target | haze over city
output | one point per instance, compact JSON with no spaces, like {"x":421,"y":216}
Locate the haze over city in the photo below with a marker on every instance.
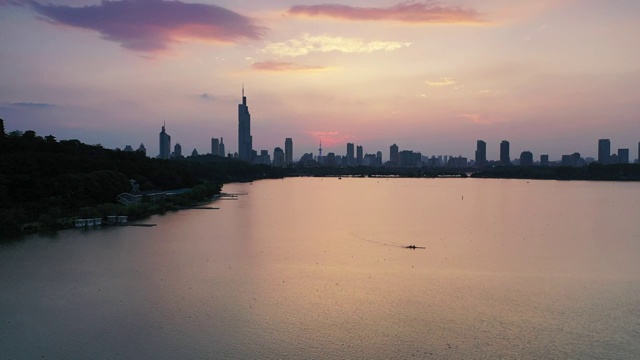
{"x":552,"y":77}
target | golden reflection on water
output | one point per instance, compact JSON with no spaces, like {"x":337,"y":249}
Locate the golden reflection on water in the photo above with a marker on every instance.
{"x":316,"y":268}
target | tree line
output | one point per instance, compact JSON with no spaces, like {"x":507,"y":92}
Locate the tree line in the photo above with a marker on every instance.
{"x":43,"y":179}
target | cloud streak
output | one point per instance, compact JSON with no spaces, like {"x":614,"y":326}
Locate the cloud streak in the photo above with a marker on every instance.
{"x":29,"y":105}
{"x":152,"y":25}
{"x":445,"y":81}
{"x":279,"y":66}
{"x":306,"y":44}
{"x":425,"y":12}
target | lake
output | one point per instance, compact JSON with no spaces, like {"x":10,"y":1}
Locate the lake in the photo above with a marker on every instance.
{"x":308,"y":268}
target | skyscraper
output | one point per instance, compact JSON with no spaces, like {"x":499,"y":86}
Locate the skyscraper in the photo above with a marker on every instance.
{"x":394,"y":159}
{"x":350,"y":156}
{"x":604,"y":151}
{"x":505,"y":159}
{"x":215,"y":147}
{"x":165,"y":144}
{"x":320,"y":153}
{"x":288,"y":151}
{"x":142,"y":149}
{"x":359,"y":155}
{"x":526,"y":158}
{"x":544,"y":160}
{"x":278,"y":157}
{"x":481,"y":153}
{"x":638,"y":152}
{"x":245,"y":148}
{"x":221,"y":150}
{"x":623,"y":156}
{"x":177,"y":150}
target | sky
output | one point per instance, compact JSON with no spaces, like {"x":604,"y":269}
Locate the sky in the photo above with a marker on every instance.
{"x":550,"y":76}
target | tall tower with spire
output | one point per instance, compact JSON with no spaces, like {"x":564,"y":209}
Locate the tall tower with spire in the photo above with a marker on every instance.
{"x":245,"y":146}
{"x":165,"y":144}
{"x":320,"y":152}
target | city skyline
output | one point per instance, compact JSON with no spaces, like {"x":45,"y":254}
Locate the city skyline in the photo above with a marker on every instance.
{"x":551,"y":77}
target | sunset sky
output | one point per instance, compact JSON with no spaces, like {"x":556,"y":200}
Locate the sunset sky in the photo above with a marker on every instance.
{"x":550,"y":76}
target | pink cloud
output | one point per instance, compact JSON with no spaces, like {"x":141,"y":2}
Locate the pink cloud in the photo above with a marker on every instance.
{"x":282,"y":66}
{"x":426,"y":12}
{"x":151,"y":25}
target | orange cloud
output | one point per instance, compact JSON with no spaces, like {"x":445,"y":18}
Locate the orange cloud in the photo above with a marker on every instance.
{"x":283,"y":66}
{"x":426,"y":12}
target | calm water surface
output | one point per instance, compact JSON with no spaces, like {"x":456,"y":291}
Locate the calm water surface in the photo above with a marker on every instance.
{"x":314,"y":268}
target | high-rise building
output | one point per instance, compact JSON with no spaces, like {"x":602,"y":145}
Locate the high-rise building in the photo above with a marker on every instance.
{"x":221,"y":150}
{"x":623,"y":156}
{"x":142,"y":149}
{"x":215,"y":147}
{"x":359,"y":155}
{"x":379,"y":158}
{"x":330,"y":159}
{"x":526,"y":158}
{"x":350,"y":155}
{"x":638,"y":152}
{"x":319,"y":160}
{"x":288,"y":151}
{"x":481,"y":153}
{"x":278,"y":157}
{"x":544,"y":160}
{"x":604,"y":151}
{"x":394,"y":158}
{"x":165,"y":144}
{"x":245,"y":146}
{"x":177,"y":150}
{"x":505,"y":159}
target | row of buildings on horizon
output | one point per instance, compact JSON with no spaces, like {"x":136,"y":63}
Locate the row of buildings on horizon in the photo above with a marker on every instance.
{"x":355,"y":155}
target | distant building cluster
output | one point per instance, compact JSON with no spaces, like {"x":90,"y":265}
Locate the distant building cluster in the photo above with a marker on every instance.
{"x":356,"y":156}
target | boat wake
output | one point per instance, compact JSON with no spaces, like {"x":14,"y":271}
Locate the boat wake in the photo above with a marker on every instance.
{"x":413,"y":247}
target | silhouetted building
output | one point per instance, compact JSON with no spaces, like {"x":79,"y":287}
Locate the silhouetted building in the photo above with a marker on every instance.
{"x":350,"y":154}
{"x":245,"y":141}
{"x":194,"y":152}
{"x":576,"y":160}
{"x":623,"y":156}
{"x":526,"y":158}
{"x":215,"y":147}
{"x":379,"y":158}
{"x":457,"y":162}
{"x":544,"y":160}
{"x":369,"y":160}
{"x":393,"y":155}
{"x":165,"y":144}
{"x":359,"y":155}
{"x":128,"y":148}
{"x":142,"y":149}
{"x":408,"y":158}
{"x":566,"y":160}
{"x":481,"y":153}
{"x":307,"y":159}
{"x":288,"y":151}
{"x":278,"y":157}
{"x":320,"y":153}
{"x":177,"y":150}
{"x":221,"y":150}
{"x":604,"y":151}
{"x":505,"y":159}
{"x":638,"y":160}
{"x":330,"y":159}
{"x":263,"y":158}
